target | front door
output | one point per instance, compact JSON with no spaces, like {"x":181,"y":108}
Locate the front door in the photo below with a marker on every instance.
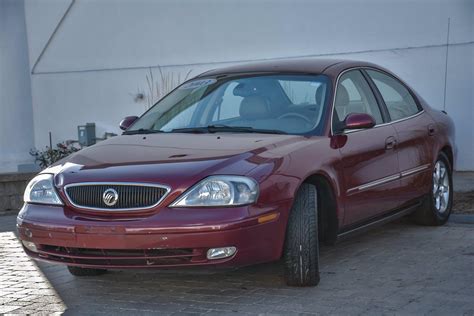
{"x":369,"y":156}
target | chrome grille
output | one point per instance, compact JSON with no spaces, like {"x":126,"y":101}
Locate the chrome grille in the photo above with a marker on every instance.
{"x":131,"y":196}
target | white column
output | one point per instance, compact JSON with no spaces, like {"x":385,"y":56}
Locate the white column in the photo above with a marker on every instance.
{"x":16,"y":114}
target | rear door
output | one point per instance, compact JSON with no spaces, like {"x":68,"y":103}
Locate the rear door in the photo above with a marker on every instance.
{"x":369,"y":156}
{"x":416,"y":134}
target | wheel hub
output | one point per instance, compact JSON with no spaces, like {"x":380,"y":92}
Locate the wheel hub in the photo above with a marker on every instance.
{"x":441,"y":187}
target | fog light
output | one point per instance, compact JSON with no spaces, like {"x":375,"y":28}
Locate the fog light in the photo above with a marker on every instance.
{"x":220,"y":253}
{"x":29,"y":245}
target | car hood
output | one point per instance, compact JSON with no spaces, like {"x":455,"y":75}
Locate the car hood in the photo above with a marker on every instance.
{"x":173,"y":159}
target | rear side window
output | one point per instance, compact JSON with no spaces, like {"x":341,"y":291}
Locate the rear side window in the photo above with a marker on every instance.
{"x":397,"y":98}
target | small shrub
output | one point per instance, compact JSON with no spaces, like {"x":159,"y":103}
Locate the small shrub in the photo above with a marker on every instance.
{"x":47,"y":157}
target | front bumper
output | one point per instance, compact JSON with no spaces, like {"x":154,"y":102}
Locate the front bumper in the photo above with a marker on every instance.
{"x":169,"y":238}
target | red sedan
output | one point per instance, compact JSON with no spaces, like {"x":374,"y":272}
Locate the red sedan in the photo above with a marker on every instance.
{"x":244,"y":165}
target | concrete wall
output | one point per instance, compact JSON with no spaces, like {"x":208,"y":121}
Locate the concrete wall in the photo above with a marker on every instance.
{"x":16,"y":117}
{"x":12,"y":187}
{"x":89,"y":58}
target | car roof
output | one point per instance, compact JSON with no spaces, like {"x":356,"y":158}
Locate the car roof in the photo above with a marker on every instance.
{"x":292,"y":65}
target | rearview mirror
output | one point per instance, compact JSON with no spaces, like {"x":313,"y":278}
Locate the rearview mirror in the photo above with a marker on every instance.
{"x":358,"y":121}
{"x":127,"y":122}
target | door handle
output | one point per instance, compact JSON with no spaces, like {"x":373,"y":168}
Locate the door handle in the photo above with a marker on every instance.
{"x":431,"y":129}
{"x":390,"y":143}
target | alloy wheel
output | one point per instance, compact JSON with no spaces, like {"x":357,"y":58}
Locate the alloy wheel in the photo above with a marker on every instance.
{"x":441,"y":187}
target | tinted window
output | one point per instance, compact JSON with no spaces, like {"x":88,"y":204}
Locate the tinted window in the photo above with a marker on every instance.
{"x":399,"y":101}
{"x":354,"y":95}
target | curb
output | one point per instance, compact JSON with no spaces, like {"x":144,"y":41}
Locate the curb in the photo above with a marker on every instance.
{"x":462,"y":218}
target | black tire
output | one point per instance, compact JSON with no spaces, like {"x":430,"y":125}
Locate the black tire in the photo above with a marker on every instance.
{"x":301,"y":252}
{"x":428,"y":214}
{"x":77,"y":271}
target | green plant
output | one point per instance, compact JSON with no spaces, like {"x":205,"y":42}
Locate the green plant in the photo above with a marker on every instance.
{"x":49,"y":155}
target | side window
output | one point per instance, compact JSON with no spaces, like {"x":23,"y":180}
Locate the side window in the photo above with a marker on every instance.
{"x":397,"y":98}
{"x":353,"y":95}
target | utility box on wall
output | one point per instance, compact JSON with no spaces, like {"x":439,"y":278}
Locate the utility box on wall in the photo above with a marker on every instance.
{"x":86,"y":134}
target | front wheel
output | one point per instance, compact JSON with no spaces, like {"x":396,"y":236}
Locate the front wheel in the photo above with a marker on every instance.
{"x":436,"y":210}
{"x":301,"y":250}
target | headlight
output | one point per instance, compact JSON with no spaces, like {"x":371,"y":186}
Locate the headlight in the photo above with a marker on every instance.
{"x":41,"y":190}
{"x":220,"y":191}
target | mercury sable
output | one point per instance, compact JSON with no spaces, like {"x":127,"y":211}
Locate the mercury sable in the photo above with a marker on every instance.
{"x":244,"y":165}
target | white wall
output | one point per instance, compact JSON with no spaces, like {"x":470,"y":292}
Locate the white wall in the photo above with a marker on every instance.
{"x":16,"y":119}
{"x":100,"y":53}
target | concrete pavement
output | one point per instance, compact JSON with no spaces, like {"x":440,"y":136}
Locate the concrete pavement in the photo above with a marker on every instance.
{"x":400,"y":268}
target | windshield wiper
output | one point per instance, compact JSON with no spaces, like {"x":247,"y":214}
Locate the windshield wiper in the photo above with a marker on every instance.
{"x":142,"y":131}
{"x":226,"y":128}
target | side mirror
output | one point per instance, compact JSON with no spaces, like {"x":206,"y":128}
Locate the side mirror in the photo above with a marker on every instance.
{"x":358,"y":121}
{"x":127,"y":122}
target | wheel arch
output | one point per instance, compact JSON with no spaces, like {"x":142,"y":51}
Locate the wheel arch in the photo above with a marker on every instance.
{"x":328,"y":221}
{"x":448,"y":151}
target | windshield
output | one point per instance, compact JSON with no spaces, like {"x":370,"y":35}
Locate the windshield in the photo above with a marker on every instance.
{"x":290,"y":104}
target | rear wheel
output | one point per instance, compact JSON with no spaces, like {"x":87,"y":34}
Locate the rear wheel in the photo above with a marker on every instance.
{"x":301,"y":251}
{"x":436,"y":210}
{"x":77,"y":271}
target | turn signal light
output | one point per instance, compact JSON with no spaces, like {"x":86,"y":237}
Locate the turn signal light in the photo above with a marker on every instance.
{"x":267,"y":218}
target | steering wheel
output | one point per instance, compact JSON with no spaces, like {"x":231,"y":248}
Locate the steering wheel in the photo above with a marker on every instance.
{"x":293,"y":114}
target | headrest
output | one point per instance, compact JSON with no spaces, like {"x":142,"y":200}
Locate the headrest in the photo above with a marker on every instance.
{"x":342,"y":96}
{"x":254,"y":107}
{"x":245,"y":90}
{"x":319,"y":95}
